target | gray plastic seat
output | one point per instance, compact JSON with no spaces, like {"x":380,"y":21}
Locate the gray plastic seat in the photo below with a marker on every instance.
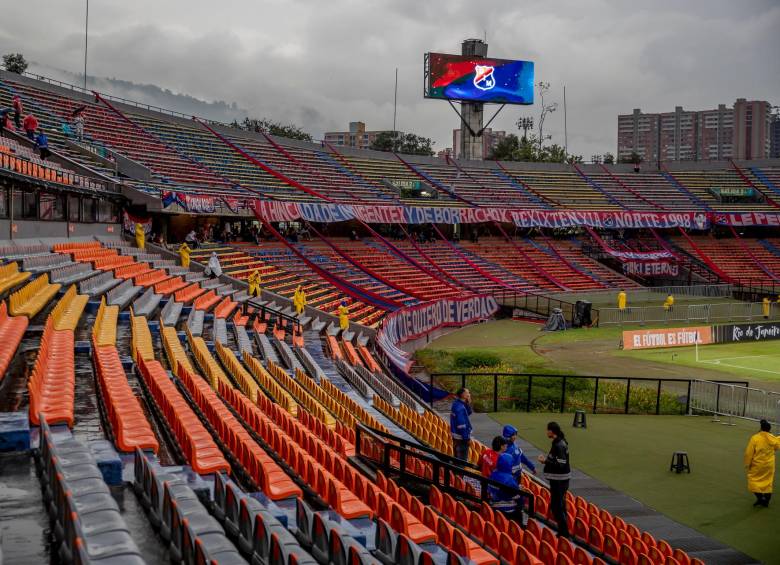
{"x":45,"y":263}
{"x":171,"y":312}
{"x":266,"y":349}
{"x":242,"y":339}
{"x":241,"y":296}
{"x":98,"y":285}
{"x":70,"y":274}
{"x":123,"y":294}
{"x":220,"y":331}
{"x":147,"y":303}
{"x":195,"y":322}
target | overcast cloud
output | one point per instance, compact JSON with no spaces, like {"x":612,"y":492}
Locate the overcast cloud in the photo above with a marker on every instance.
{"x":323,"y":63}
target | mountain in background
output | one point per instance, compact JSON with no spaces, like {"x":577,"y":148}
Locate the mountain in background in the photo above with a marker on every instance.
{"x":150,"y":94}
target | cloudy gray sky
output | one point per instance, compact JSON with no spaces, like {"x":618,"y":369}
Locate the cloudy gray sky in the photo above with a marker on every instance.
{"x":322,"y":63}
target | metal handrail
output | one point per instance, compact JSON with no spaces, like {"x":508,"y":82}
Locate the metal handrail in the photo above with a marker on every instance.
{"x":60,"y":175}
{"x":443,"y":471}
{"x":70,"y":86}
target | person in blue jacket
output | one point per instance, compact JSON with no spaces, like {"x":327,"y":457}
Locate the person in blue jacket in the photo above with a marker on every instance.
{"x":500,"y":499}
{"x":518,"y":457}
{"x":42,"y":142}
{"x":460,"y":425}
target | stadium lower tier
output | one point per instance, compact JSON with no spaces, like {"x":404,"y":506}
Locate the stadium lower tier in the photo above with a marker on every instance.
{"x":236,"y":427}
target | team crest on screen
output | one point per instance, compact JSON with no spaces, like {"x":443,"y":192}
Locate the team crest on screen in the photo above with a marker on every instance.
{"x":483,"y":77}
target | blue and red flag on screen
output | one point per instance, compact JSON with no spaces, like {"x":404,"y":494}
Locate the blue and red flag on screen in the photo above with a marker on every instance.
{"x":461,"y":77}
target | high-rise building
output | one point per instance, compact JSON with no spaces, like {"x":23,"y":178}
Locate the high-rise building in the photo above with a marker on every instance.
{"x":752,"y":120}
{"x":489,"y":137}
{"x":356,"y":137}
{"x":741,"y":132}
{"x":774,"y":135}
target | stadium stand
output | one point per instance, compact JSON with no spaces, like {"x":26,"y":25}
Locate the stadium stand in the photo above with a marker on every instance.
{"x":258,"y":416}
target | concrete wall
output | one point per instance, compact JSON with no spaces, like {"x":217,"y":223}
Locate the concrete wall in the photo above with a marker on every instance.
{"x":36,"y":229}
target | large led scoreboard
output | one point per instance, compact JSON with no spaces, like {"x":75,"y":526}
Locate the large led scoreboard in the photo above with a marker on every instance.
{"x":474,"y":79}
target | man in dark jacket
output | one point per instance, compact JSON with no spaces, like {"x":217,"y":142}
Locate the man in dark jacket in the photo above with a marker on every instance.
{"x":557,"y":470}
{"x":460,"y":425}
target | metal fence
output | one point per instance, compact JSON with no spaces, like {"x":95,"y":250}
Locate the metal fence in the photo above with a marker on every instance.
{"x":535,"y":392}
{"x":537,"y":303}
{"x":734,"y":401}
{"x":705,"y":313}
{"x":653,"y":293}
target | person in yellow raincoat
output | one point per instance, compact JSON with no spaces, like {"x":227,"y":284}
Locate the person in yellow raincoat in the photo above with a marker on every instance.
{"x":254,"y":283}
{"x":302,"y":300}
{"x":622,"y":299}
{"x":184,"y":255}
{"x":344,"y":316}
{"x":669,"y":303}
{"x":760,"y":464}
{"x":765,"y":306}
{"x":297,"y":300}
{"x":140,"y":237}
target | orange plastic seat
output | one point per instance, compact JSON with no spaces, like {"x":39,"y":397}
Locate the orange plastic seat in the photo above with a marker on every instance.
{"x":405,"y":523}
{"x":469,"y":549}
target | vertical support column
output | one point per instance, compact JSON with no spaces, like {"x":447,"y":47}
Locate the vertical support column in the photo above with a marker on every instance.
{"x":472,"y":112}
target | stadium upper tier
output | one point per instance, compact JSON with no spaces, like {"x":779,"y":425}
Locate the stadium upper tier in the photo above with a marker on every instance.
{"x":197,"y":158}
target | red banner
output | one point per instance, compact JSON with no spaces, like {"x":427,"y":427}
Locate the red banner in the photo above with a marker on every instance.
{"x":747,"y":219}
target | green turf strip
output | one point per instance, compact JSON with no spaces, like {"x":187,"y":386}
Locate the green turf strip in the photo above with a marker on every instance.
{"x":758,"y":360}
{"x":632,"y":454}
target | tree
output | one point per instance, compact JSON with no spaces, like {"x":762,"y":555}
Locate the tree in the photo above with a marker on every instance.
{"x":609,"y":158}
{"x":506,"y":148}
{"x":543,"y":88}
{"x":633,"y":159}
{"x":397,"y":142}
{"x":513,"y":148}
{"x":14,"y":63}
{"x":264,"y":125}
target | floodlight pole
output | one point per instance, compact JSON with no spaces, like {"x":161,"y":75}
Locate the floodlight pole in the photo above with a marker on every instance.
{"x":395,"y":100}
{"x":565,"y":130}
{"x":86,"y":41}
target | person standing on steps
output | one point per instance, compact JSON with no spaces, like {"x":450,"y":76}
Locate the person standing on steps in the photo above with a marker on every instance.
{"x":487,"y":463}
{"x":42,"y":143}
{"x":460,"y":424}
{"x":557,"y":470}
{"x":518,"y":457}
{"x":30,"y":125}
{"x":760,"y":464}
{"x":502,"y":500}
{"x":17,"y":105}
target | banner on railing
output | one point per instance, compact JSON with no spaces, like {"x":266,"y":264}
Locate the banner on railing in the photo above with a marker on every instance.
{"x":194,"y":203}
{"x":651,"y":268}
{"x":610,"y":219}
{"x":326,"y":212}
{"x":667,"y":337}
{"x":412,"y":322}
{"x":747,"y":219}
{"x":737,"y":333}
{"x":129,"y":221}
{"x":233,"y":204}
